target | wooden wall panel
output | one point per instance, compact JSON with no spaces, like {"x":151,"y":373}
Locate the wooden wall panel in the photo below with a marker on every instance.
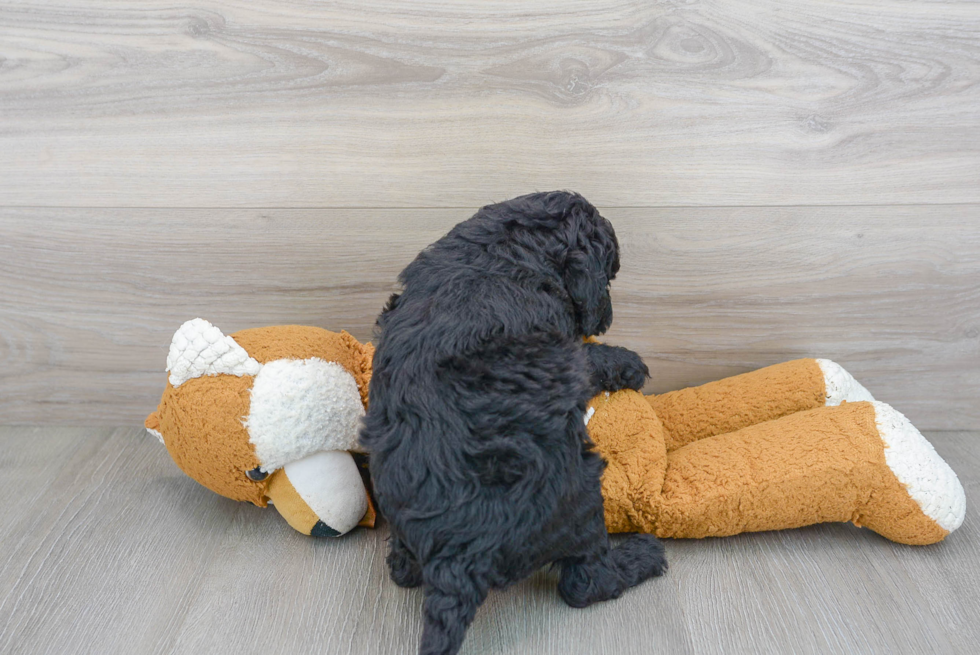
{"x":89,"y":298}
{"x":444,"y":104}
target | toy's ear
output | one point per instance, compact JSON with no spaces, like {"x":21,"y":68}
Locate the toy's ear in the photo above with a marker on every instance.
{"x":199,"y":348}
{"x":361,"y":363}
{"x":152,"y":425}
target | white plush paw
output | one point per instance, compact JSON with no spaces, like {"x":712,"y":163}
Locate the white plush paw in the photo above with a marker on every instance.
{"x":930,"y":481}
{"x":840,"y":385}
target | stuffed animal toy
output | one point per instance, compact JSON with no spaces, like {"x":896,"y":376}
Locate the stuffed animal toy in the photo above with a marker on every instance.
{"x":270,"y":414}
{"x":782,"y":447}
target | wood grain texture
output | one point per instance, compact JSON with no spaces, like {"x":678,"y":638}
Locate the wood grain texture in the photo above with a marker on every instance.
{"x":89,"y":299}
{"x":106,"y":547}
{"x":459,"y":103}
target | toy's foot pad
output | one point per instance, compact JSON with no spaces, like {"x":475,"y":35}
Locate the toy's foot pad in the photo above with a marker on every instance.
{"x":840,"y":385}
{"x":930,"y":482}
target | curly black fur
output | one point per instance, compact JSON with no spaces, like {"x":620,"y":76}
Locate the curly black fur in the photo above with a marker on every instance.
{"x":479,"y":455}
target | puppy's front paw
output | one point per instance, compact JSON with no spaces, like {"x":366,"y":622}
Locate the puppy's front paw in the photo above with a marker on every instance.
{"x":634,"y":373}
{"x":618,"y":368}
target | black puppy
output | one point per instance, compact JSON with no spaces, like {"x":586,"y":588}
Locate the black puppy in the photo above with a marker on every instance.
{"x":479,"y":455}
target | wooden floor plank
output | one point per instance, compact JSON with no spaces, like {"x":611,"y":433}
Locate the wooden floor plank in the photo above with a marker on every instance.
{"x":99,"y":563}
{"x":32,"y":459}
{"x":448,"y":103}
{"x":90,"y":298}
{"x":113,"y":550}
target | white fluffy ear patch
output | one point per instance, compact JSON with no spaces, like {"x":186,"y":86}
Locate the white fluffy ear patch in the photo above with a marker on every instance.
{"x":199,"y":348}
{"x":301,"y":406}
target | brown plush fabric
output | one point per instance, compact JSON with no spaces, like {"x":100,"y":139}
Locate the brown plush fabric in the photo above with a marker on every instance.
{"x":739,"y":401}
{"x":267,"y":344}
{"x":806,"y":468}
{"x":629,"y":437}
{"x":371,"y":515}
{"x":201,"y":424}
{"x":362,"y":357}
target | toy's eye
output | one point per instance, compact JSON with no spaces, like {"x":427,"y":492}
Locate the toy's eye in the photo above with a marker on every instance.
{"x":257,"y":474}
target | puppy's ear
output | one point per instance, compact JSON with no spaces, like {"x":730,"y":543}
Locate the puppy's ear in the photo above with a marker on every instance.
{"x":591,"y":262}
{"x":587,"y":286}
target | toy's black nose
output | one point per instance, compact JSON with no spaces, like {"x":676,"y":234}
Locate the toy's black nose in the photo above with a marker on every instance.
{"x":321,"y":529}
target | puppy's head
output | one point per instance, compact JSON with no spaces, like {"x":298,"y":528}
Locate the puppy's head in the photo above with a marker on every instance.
{"x":575,"y":239}
{"x":586,"y":252}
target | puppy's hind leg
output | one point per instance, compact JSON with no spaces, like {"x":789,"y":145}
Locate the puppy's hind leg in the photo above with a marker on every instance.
{"x":405,"y":570}
{"x":451,"y":600}
{"x":638,"y":557}
{"x":603,"y":573}
{"x":597,"y":577}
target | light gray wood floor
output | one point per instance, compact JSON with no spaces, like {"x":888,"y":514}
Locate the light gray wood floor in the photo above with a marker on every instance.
{"x":105,"y":547}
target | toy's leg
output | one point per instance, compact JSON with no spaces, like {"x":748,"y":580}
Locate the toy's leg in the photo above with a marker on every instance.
{"x":740,"y":401}
{"x":861,"y":462}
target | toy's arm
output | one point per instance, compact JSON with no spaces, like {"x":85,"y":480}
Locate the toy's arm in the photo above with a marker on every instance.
{"x":763,"y":395}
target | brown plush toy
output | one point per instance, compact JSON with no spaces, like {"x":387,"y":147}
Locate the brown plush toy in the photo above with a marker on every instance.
{"x":782,"y":447}
{"x":270,"y":414}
